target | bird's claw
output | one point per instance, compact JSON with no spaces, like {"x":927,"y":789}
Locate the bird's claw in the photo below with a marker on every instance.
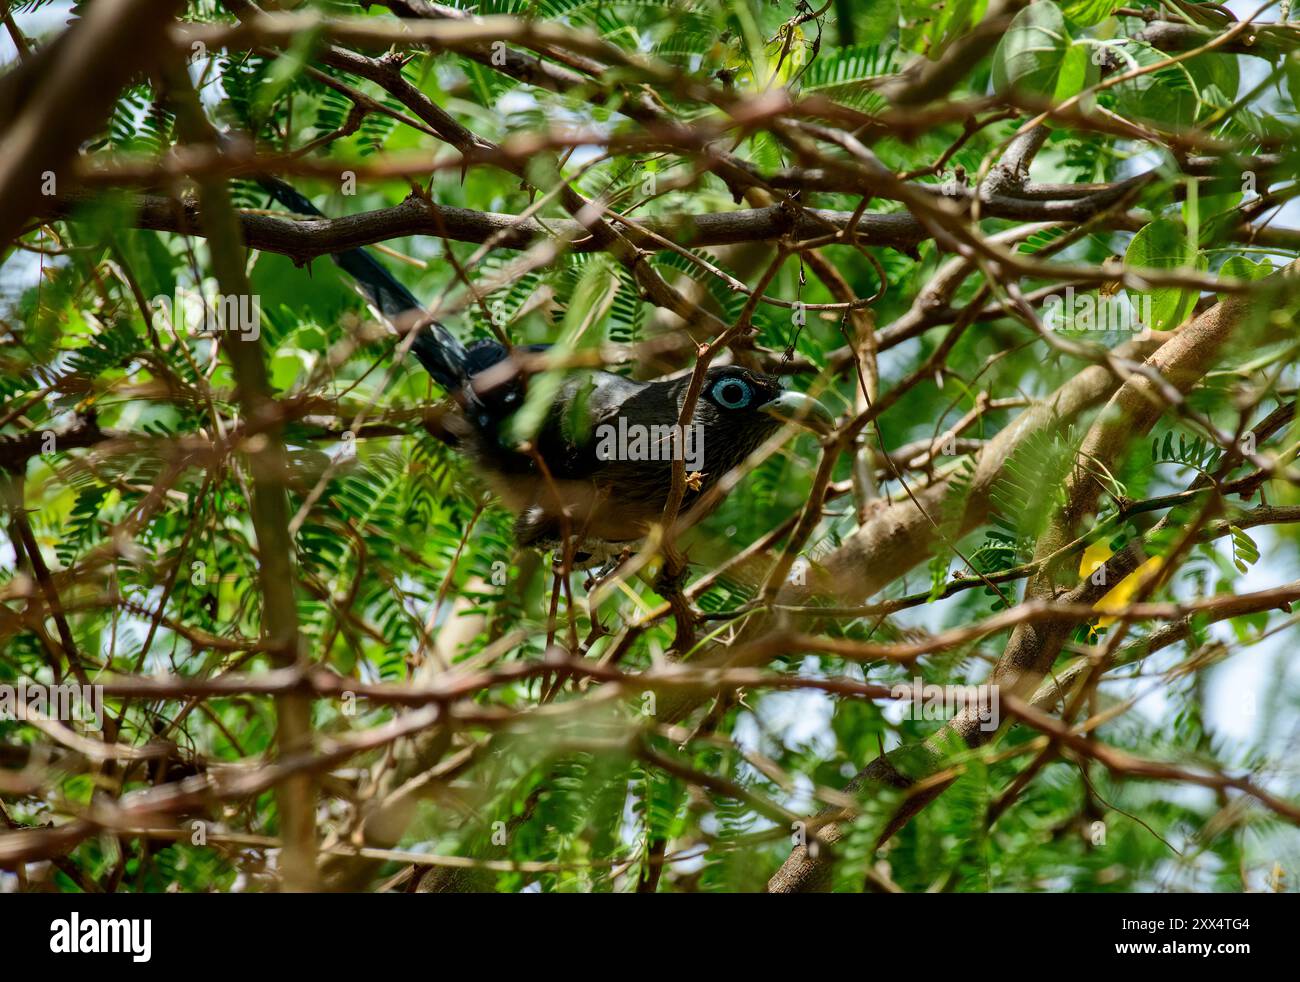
{"x":609,"y":569}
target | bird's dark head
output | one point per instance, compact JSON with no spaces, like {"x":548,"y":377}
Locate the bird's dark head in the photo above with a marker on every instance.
{"x":738,"y":409}
{"x":738,"y":396}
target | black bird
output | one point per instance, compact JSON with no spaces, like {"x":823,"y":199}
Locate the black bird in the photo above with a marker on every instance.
{"x":607,"y":443}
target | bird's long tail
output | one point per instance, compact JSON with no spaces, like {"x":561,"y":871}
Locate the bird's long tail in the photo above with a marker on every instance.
{"x":438,"y":350}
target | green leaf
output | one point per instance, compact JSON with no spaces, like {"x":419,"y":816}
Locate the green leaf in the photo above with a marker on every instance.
{"x":1291,"y":69}
{"x":1241,"y":268}
{"x":1244,"y":551}
{"x":1161,"y":245}
{"x":290,"y":295}
{"x":951,"y":21}
{"x":1031,"y":56}
{"x":877,"y":22}
{"x":848,"y":75}
{"x":1217,"y":78}
{"x":1165,"y":96}
{"x":1086,"y":13}
{"x":1075,"y":69}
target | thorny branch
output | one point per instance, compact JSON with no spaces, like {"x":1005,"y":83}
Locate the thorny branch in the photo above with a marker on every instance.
{"x":997,"y":249}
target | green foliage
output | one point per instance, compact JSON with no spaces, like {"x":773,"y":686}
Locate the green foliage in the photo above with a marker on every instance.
{"x":407,"y":576}
{"x":1167,"y":95}
{"x":1031,"y":487}
{"x":1197,"y":454}
{"x":1036,"y":55}
{"x":1163,"y":244}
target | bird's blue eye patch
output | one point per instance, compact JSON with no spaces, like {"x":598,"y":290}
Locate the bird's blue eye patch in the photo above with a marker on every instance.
{"x":732,"y":393}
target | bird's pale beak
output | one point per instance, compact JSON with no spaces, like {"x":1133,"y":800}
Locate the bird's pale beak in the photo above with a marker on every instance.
{"x":795,"y":407}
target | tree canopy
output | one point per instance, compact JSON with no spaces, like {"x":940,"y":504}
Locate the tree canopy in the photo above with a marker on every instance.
{"x":1037,"y":258}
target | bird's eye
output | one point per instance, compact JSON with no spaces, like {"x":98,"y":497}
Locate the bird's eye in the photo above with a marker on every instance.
{"x":732,"y":393}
